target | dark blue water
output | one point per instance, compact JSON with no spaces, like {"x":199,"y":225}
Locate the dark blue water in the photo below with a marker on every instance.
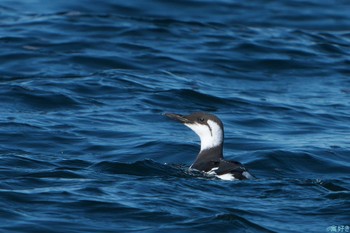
{"x":84,"y":146}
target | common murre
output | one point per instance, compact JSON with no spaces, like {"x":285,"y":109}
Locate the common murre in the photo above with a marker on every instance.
{"x":210,"y":159}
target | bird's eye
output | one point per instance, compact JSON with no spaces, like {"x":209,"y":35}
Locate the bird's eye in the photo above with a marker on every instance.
{"x":201,"y":119}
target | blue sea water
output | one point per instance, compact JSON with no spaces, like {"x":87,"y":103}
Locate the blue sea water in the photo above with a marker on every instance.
{"x":84,"y":146}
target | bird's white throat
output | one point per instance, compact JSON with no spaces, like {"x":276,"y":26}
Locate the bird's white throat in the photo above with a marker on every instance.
{"x":211,"y":135}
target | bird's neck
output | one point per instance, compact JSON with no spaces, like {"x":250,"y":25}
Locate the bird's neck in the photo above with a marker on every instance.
{"x":208,"y":156}
{"x":212,"y":140}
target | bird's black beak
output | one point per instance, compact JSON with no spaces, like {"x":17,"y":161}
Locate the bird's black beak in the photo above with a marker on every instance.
{"x":177,"y":117}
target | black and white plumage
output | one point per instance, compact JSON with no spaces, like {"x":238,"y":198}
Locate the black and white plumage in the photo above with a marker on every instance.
{"x":210,"y":159}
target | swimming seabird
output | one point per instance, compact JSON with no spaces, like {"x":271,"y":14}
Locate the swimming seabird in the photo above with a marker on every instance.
{"x":210,"y":159}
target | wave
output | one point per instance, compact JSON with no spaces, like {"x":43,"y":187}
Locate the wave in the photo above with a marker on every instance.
{"x":146,"y":168}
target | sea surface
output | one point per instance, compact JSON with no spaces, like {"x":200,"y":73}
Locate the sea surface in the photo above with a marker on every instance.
{"x":84,"y":144}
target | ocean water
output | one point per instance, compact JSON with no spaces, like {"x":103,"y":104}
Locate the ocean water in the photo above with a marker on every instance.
{"x":84,"y":146}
